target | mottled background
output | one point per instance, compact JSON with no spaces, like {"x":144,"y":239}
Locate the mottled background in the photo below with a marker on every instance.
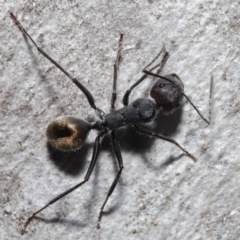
{"x":162,"y":193}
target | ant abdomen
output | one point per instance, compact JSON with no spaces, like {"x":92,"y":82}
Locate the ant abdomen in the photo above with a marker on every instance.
{"x":68,"y":133}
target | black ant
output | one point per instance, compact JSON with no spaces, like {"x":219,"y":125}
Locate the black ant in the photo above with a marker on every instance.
{"x":70,"y":133}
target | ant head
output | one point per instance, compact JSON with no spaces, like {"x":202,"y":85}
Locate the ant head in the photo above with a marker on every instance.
{"x":68,"y":133}
{"x":168,"y":92}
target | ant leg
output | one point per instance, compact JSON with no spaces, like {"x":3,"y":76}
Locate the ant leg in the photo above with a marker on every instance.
{"x":95,"y":154}
{"x":118,"y":155}
{"x":74,"y":80}
{"x":161,"y":64}
{"x":115,"y":71}
{"x":142,"y":130}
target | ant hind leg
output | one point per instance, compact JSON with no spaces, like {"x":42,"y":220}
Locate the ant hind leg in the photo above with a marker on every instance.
{"x":96,"y":150}
{"x":118,"y":155}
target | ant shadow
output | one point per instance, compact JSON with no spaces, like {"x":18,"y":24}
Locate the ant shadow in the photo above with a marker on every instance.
{"x":71,"y":163}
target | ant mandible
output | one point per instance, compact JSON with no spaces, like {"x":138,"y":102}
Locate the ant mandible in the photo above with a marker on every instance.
{"x":70,"y":133}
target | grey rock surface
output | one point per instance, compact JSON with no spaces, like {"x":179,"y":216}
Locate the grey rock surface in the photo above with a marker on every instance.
{"x":162,"y":193}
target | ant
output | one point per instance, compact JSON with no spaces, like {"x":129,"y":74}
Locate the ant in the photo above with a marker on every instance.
{"x":70,"y":133}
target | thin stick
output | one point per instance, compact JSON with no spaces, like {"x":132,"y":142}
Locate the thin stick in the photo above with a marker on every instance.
{"x":210,"y":99}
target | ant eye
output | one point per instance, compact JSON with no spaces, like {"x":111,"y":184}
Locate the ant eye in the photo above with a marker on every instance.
{"x":161,"y":85}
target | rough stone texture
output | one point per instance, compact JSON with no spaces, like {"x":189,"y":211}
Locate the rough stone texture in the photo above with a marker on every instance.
{"x":162,"y":193}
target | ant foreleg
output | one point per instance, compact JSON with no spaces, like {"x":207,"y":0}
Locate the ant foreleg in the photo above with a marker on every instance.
{"x":142,"y":130}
